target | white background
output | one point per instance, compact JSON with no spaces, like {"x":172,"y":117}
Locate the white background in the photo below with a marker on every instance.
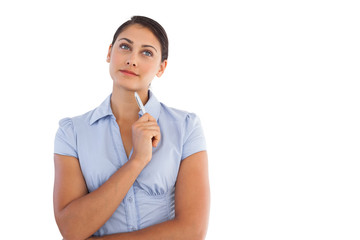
{"x":275,"y":84}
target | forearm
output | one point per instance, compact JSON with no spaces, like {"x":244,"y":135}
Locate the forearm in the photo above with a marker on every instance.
{"x":192,"y":205}
{"x":84,"y":216}
{"x":169,"y":230}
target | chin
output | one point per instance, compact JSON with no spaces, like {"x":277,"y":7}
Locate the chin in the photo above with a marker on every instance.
{"x":128,"y":86}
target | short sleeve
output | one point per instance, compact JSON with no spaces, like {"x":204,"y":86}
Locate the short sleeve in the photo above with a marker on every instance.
{"x":65,"y":139}
{"x":194,"y":139}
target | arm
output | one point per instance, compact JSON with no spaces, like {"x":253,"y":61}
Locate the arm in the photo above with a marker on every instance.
{"x":78,"y":213}
{"x":192,"y":203}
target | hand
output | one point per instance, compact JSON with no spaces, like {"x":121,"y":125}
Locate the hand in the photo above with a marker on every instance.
{"x":145,"y":135}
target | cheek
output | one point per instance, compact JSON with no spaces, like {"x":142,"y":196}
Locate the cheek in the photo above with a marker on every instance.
{"x":150,"y":68}
{"x":116,"y":60}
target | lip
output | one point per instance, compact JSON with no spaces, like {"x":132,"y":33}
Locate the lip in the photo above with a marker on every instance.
{"x":129,"y":73}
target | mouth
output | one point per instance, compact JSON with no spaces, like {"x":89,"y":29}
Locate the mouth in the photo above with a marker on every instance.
{"x":129,"y":73}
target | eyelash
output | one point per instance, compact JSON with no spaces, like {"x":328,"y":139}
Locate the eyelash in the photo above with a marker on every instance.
{"x":127,"y":47}
{"x":124,"y":45}
{"x":150,"y":53}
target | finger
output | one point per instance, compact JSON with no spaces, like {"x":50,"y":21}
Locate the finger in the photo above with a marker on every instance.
{"x":155,"y":143}
{"x":144,"y":118}
{"x":149,"y":124}
{"x":147,"y":118}
{"x":151,"y":118}
{"x":156,"y":139}
{"x":140,"y":125}
{"x":149,"y":128}
{"x":147,"y":131}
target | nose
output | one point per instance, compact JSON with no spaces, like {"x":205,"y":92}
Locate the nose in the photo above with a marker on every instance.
{"x":131,"y":61}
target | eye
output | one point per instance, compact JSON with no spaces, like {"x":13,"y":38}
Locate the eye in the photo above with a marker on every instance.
{"x":148,"y":53}
{"x":124,"y":46}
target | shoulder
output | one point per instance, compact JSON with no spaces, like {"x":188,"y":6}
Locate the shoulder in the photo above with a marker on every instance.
{"x":185,"y":126}
{"x":188,"y":123}
{"x":67,"y":135}
{"x":177,"y":115}
{"x":77,"y":121}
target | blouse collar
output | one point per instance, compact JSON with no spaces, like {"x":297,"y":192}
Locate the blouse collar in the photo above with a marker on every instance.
{"x":152,"y":106}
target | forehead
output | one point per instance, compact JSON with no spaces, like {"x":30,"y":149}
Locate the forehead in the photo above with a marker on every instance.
{"x":139,"y":35}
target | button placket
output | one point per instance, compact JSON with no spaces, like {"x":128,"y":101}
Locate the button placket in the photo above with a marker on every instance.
{"x":131,"y":211}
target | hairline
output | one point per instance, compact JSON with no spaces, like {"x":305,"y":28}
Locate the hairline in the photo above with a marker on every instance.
{"x":153,"y":31}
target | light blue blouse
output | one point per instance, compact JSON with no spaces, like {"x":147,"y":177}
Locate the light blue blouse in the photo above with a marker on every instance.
{"x":94,"y":139}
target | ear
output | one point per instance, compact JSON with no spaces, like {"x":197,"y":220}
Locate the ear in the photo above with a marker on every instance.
{"x":162,"y":68}
{"x":109,"y":54}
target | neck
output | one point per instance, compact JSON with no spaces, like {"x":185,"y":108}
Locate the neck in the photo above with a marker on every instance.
{"x":124,"y":106}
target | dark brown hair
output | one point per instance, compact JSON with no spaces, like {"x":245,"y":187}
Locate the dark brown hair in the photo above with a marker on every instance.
{"x":153,"y":26}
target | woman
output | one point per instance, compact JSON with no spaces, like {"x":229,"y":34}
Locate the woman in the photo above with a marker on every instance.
{"x":116,"y":167}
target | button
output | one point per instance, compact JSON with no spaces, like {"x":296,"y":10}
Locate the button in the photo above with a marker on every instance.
{"x":133,"y":228}
{"x":130,"y":199}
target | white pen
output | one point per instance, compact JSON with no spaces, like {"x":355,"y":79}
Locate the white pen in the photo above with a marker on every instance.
{"x":139,"y":103}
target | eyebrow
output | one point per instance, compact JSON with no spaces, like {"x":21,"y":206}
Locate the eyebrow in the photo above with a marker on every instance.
{"x":131,"y":42}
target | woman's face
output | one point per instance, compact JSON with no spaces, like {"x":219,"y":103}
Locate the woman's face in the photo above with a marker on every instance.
{"x":135,"y":58}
